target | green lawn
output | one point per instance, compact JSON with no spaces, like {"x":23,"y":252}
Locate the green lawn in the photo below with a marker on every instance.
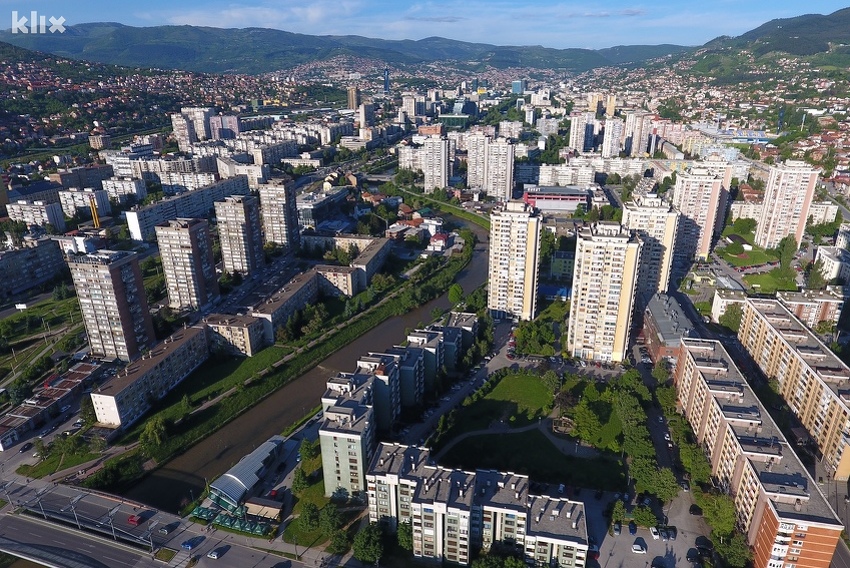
{"x":755,"y":257}
{"x":294,"y":533}
{"x":520,"y":399}
{"x":769,"y":282}
{"x":531,"y":453}
{"x":51,"y":465}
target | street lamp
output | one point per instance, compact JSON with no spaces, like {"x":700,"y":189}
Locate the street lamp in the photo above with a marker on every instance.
{"x":74,"y":509}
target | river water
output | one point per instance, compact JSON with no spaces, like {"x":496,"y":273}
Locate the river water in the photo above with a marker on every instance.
{"x":184,"y":477}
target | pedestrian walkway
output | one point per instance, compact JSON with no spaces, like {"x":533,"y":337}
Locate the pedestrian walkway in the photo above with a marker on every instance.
{"x":570,"y":447}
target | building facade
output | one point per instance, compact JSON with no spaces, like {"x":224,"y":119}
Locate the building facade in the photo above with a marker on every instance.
{"x":810,"y":377}
{"x":280,"y":215}
{"x":700,"y":198}
{"x":240,"y":234}
{"x":185,"y":247}
{"x":656,"y":222}
{"x":788,"y":195}
{"x":513,"y":269}
{"x":779,"y":508}
{"x":604,"y":282}
{"x":112,"y":299}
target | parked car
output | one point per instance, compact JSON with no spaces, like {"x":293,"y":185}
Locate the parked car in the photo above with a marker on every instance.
{"x":617,"y":528}
{"x":25,"y":447}
{"x":632,"y":528}
{"x":654,"y":532}
{"x":212,"y":554}
{"x":638,"y":548}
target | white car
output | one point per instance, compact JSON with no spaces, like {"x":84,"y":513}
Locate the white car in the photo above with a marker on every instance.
{"x":638,"y":548}
{"x":654,"y":532}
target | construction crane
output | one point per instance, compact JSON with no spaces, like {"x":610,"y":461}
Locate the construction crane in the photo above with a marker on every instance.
{"x":94,"y":216}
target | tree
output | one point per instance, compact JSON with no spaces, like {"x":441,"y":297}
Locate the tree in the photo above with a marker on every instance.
{"x":299,"y":480}
{"x":330,"y":519}
{"x":719,"y":512}
{"x":644,"y":517}
{"x":308,"y":449}
{"x":816,"y":279}
{"x":666,"y":398}
{"x":744,"y":226}
{"x":87,"y":413}
{"x":665,"y":486}
{"x":367,"y":544}
{"x":731,"y":318}
{"x":41,"y":448}
{"x":551,"y":380}
{"x":339,"y":543}
{"x":404,"y":535}
{"x":455,"y":293}
{"x":309,"y":518}
{"x":153,"y":435}
{"x":618,"y":513}
{"x":734,"y":549}
{"x":785,"y":250}
{"x":660,"y":372}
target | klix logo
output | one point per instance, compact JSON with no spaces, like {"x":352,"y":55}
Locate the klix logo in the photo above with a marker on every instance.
{"x":36,"y":24}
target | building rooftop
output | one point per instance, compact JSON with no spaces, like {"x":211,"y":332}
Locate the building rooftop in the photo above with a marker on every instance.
{"x":671,"y":323}
{"x":230,"y":320}
{"x":501,"y":490}
{"x":140,"y":367}
{"x":782,"y":475}
{"x":283,"y":295}
{"x":566,"y":190}
{"x":820,"y":358}
{"x":243,"y":476}
{"x":556,"y":518}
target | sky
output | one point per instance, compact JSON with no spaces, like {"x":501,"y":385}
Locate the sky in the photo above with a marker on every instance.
{"x":550,"y":23}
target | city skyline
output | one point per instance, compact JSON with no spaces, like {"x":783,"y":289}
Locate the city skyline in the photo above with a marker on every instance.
{"x":507,"y":23}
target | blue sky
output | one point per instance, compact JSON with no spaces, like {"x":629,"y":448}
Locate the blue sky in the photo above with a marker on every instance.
{"x":551,"y":23}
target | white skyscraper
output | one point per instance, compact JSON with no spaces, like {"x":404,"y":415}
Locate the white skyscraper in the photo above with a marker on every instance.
{"x":581,"y":130}
{"x":435,"y":164}
{"x":476,"y":160}
{"x":787,"y":197}
{"x":656,"y":222}
{"x":700,"y":197}
{"x":499,"y":176}
{"x":636,"y":133}
{"x":514,"y":254}
{"x":604,"y":283}
{"x":280,"y":214}
{"x":612,"y":142}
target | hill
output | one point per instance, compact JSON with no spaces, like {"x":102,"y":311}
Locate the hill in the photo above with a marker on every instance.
{"x":259,"y":50}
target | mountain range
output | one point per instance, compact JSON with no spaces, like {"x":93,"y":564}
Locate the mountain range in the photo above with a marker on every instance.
{"x":260,"y":50}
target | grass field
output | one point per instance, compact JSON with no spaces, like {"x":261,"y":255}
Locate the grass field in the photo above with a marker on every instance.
{"x":769,"y":283}
{"x":531,"y":453}
{"x":755,"y":257}
{"x":294,"y":533}
{"x":520,"y":399}
{"x":51,"y":465}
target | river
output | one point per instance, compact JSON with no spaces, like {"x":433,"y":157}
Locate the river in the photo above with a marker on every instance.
{"x":184,"y":476}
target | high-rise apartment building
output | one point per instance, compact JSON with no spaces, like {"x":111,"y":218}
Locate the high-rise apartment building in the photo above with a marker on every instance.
{"x":582,"y":130}
{"x":499,"y":169}
{"x":240,"y":234}
{"x":612,"y":141}
{"x":700,"y":197}
{"x":224,"y":126}
{"x":656,"y":222}
{"x":435,"y":163}
{"x":788,"y":194}
{"x":112,"y":299}
{"x":184,"y":131}
{"x":280,"y":214}
{"x":604,"y":281}
{"x":636,"y":133}
{"x":200,"y":117}
{"x":779,"y":508}
{"x":185,"y":247}
{"x":514,"y":254}
{"x":353,"y":98}
{"x":476,"y":160}
{"x":811,"y":377}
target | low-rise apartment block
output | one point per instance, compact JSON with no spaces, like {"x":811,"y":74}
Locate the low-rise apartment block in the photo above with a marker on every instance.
{"x":786,"y":519}
{"x":835,"y":263}
{"x":37,"y":261}
{"x":275,"y":310}
{"x":664,"y":326}
{"x":241,"y":335}
{"x":812,"y":379}
{"x":123,"y":399}
{"x":76,"y":200}
{"x":455,"y":513}
{"x":39,"y":213}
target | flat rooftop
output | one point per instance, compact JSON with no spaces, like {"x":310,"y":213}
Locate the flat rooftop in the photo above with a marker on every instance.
{"x":670,"y":319}
{"x":781,"y":473}
{"x":284,"y":294}
{"x":140,"y":367}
